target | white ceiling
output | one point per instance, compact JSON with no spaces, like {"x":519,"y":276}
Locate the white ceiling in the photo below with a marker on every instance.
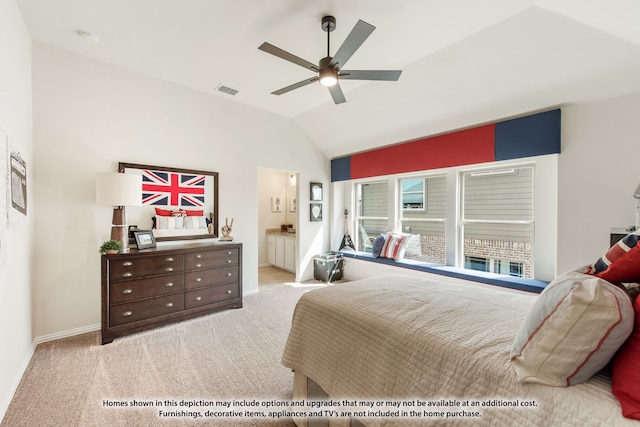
{"x":464,"y":62}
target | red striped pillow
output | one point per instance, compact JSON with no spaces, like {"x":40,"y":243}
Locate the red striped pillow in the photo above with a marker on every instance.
{"x":572,"y":331}
{"x":395,"y":245}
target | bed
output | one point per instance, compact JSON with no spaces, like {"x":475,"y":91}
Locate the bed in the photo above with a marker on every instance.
{"x":429,"y":346}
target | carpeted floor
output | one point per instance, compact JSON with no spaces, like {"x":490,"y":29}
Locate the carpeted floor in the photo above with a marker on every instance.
{"x":211,"y":360}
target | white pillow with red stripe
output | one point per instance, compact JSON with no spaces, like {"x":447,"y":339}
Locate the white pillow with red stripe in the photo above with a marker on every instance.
{"x":395,"y":245}
{"x":572,"y":331}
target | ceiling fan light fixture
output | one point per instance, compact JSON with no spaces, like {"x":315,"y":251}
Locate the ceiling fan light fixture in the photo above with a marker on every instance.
{"x":328,"y":77}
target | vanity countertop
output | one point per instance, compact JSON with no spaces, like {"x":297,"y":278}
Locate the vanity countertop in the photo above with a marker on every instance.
{"x":279,"y":232}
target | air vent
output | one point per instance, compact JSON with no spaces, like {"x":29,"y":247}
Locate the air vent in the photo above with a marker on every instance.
{"x":225,"y":89}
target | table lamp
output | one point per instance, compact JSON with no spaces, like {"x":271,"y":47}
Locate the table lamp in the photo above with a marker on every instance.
{"x":119,"y":190}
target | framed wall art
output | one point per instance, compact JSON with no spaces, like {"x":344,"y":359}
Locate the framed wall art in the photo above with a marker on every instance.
{"x":315,"y":190}
{"x":315,"y":212}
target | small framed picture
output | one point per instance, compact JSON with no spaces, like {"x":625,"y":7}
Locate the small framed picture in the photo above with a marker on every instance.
{"x":144,"y":239}
{"x":316,"y":191}
{"x":315,"y":212}
{"x":276,"y":204}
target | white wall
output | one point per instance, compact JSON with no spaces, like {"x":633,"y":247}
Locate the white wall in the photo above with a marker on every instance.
{"x":598,"y":173}
{"x":15,"y":242}
{"x":88,"y":116}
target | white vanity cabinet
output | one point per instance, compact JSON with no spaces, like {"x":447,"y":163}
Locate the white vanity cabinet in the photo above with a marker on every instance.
{"x":281,"y":250}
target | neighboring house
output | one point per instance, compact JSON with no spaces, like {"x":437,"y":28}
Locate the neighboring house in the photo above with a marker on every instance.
{"x":71,"y":117}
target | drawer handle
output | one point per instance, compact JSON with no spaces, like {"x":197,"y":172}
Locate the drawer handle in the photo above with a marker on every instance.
{"x":229,"y":274}
{"x":229,"y":291}
{"x":168,"y":259}
{"x":127,"y":274}
{"x":169,"y":269}
{"x":229,"y":261}
{"x":169,"y":304}
{"x":229,"y":253}
{"x":127,"y":291}
{"x":199,"y":256}
{"x":198,"y":265}
{"x":198,"y":298}
{"x":127,"y":313}
{"x":168,"y":284}
{"x":198,"y":279}
{"x":127,"y":263}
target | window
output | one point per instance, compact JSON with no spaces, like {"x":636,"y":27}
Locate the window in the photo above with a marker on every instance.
{"x":372,"y":213}
{"x":423,"y":213}
{"x":413,"y":197}
{"x":467,"y":217}
{"x":497,"y":220}
{"x":499,"y":266}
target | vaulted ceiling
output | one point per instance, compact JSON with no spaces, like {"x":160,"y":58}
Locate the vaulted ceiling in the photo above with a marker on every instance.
{"x":464,"y":62}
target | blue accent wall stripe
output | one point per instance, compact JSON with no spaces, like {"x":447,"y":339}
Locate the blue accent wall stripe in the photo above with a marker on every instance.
{"x":341,"y":169}
{"x":534,"y":135}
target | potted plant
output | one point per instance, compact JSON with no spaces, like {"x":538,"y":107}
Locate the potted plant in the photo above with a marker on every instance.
{"x":111,"y":247}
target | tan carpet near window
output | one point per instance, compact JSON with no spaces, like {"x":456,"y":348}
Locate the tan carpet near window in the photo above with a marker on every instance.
{"x":234,"y":354}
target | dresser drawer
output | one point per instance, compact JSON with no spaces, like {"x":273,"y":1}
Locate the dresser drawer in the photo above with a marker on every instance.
{"x":208,"y":259}
{"x":204,"y":296}
{"x":135,"y":267}
{"x":144,"y":288}
{"x":212,"y":276}
{"x":140,"y":310}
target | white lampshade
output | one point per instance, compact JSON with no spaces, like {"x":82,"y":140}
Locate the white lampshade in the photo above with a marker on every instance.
{"x":119,"y":189}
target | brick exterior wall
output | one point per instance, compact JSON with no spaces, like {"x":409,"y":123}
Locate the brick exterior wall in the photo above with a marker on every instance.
{"x":432,"y":249}
{"x":499,"y":249}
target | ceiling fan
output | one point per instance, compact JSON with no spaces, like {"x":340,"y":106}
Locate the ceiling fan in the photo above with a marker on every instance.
{"x":330,"y":69}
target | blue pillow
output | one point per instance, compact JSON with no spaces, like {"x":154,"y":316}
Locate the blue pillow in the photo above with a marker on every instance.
{"x":378,"y":244}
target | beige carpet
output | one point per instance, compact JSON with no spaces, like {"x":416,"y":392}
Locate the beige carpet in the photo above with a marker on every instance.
{"x":234,"y":354}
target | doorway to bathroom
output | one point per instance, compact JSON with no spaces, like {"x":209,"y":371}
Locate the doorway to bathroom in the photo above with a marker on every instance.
{"x":277,"y":224}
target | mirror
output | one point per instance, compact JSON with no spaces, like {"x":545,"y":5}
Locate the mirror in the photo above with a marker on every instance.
{"x":177,"y":204}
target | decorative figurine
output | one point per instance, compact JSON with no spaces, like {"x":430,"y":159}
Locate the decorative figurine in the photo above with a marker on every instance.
{"x":226,"y":230}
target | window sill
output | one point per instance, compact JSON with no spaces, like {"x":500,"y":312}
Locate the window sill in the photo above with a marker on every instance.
{"x":530,"y":285}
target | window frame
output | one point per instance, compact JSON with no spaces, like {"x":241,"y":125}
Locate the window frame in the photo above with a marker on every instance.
{"x":545,"y":207}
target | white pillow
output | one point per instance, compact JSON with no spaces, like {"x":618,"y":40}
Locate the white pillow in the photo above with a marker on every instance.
{"x":169,"y":222}
{"x":572,"y":331}
{"x":195,"y":222}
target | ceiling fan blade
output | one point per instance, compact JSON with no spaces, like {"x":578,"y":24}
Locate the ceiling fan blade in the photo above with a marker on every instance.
{"x":356,"y":37}
{"x":336,"y":94}
{"x":388,"y":75}
{"x":295,"y":86}
{"x":269,"y":48}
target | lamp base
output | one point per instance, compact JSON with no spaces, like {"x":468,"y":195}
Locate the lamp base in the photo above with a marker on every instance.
{"x":119,"y":228}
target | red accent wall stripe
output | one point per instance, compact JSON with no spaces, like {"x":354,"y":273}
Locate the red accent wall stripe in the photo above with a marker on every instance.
{"x":454,"y":149}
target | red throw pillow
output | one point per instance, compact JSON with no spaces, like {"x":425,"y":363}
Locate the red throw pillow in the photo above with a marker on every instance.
{"x":163,"y":212}
{"x":625,"y":269}
{"x":626,"y":371}
{"x":194,"y":213}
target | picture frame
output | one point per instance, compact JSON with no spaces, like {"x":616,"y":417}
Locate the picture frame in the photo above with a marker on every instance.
{"x":144,"y":239}
{"x":276,"y":204}
{"x":315,"y":191}
{"x":315,"y":212}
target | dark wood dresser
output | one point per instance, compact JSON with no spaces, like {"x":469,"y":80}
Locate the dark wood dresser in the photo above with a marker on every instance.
{"x":154,"y":287}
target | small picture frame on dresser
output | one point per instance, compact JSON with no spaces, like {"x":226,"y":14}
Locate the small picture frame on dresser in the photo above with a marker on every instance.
{"x":144,"y":239}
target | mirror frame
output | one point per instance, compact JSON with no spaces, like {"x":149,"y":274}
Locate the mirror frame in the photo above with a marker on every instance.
{"x":122,"y":166}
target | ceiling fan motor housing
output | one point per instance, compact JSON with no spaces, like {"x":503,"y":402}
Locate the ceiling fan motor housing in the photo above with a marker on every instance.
{"x":328,"y":23}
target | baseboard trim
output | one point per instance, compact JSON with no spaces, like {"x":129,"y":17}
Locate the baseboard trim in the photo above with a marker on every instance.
{"x":66,"y":334}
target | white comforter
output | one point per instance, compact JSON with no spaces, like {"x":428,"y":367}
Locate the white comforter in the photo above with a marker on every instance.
{"x":403,"y":338}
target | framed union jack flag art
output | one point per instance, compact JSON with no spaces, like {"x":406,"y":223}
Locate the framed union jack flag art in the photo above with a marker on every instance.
{"x":175,"y":203}
{"x":172,"y":189}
